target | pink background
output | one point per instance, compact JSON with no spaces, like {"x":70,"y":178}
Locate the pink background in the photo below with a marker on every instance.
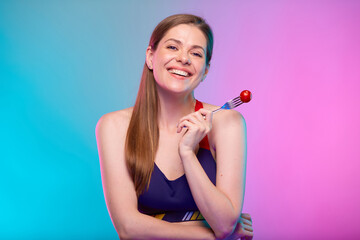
{"x":301,"y":60}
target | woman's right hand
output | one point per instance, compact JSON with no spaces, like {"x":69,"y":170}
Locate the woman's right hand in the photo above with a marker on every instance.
{"x":243,"y":229}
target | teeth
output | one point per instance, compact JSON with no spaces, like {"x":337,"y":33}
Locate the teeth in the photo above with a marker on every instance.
{"x":179,"y":72}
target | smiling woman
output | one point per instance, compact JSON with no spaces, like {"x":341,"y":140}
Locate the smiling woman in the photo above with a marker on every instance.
{"x":180,"y":55}
{"x":169,"y":169}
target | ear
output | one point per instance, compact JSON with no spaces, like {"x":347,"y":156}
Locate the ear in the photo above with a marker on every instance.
{"x":149,"y":57}
{"x":206,"y":72}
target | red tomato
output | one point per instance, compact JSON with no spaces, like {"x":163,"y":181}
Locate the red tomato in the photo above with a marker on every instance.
{"x":245,"y":96}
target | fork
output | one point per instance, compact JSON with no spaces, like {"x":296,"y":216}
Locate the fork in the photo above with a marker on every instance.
{"x":230,"y":104}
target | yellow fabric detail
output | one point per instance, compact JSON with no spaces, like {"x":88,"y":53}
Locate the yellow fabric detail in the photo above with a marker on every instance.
{"x":200,"y":217}
{"x":194,"y":216}
{"x":160,"y":216}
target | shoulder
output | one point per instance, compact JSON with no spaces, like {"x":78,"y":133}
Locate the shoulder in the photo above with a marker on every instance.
{"x":111,"y":131}
{"x":228,"y":119}
{"x":111,"y":128}
{"x":116,"y":122}
{"x":227,"y":125}
{"x":225,"y":117}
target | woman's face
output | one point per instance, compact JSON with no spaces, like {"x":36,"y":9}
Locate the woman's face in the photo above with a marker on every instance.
{"x":179,"y":61}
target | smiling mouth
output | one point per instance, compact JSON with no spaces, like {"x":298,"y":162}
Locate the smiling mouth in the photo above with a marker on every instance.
{"x":179,"y":72}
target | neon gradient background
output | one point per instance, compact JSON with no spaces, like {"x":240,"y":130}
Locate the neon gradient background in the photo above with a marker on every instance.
{"x":63,"y":64}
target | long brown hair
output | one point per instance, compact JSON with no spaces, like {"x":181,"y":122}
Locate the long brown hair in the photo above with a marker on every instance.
{"x":142,"y":137}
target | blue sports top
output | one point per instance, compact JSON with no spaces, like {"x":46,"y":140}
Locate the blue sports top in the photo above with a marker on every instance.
{"x":171,"y":200}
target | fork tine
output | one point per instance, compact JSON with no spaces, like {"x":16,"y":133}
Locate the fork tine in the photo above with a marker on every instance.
{"x":238,"y":104}
{"x":236,"y":101}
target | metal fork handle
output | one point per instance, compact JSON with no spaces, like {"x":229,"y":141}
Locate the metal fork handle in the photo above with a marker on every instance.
{"x":225,"y":106}
{"x":216,"y":110}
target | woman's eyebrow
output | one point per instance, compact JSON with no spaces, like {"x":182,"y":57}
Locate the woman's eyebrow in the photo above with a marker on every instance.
{"x":179,"y":42}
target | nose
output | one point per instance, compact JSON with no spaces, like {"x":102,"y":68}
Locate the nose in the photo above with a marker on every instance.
{"x":184,"y":58}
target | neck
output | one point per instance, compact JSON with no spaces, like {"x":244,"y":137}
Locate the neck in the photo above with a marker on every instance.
{"x":173,"y":108}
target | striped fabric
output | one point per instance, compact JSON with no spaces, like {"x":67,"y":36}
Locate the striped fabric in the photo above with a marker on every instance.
{"x":180,"y":216}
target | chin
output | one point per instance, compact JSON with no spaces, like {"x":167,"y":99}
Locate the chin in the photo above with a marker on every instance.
{"x":178,"y":89}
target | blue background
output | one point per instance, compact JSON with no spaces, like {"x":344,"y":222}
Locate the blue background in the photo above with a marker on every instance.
{"x":63,"y":64}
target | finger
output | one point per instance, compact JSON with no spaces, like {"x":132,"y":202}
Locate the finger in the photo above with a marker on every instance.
{"x":244,"y":229}
{"x":249,"y":234}
{"x":195,"y":124}
{"x":183,"y":129}
{"x":247,"y":238}
{"x":185,"y":124}
{"x":245,"y":233}
{"x":203,"y":125}
{"x":205,"y":120}
{"x":207,"y":113}
{"x":246,"y":222}
{"x":192,"y":116}
{"x":248,"y":228}
{"x":199,"y":116}
{"x":195,"y":120}
{"x":242,"y":226}
{"x":246,"y":215}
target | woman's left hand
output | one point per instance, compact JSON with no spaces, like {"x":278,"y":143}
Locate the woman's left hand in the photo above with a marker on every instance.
{"x":244,"y":229}
{"x":194,"y":128}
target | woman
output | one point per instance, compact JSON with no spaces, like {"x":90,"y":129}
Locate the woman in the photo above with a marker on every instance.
{"x":160,"y":159}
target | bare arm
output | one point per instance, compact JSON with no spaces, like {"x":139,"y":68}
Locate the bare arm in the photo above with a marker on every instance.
{"x":220,"y":205}
{"x":119,"y":190}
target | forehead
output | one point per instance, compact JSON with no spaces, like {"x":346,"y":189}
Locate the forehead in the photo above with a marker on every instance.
{"x":187,"y":34}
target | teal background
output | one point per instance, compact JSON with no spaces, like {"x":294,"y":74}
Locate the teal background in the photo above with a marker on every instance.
{"x":63,"y":64}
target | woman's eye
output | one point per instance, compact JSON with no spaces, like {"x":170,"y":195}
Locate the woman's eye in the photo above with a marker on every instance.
{"x":197,"y":54}
{"x":172,"y":47}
